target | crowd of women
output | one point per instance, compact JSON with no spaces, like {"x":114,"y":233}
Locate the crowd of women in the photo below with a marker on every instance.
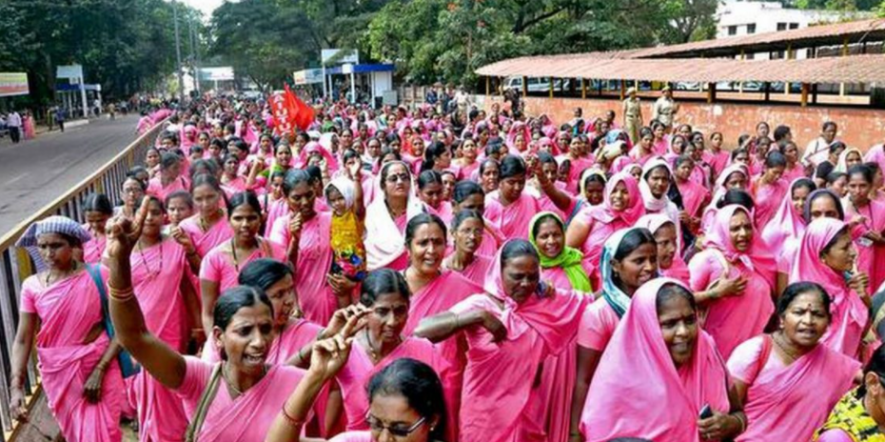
{"x":404,"y":275}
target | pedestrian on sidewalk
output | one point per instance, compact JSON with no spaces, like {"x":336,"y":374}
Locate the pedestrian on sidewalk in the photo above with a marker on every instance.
{"x":28,"y":126}
{"x":14,"y":122}
{"x":60,"y":118}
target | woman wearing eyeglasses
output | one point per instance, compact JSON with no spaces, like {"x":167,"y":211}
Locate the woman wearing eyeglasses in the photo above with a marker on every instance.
{"x":406,"y":404}
{"x":387,"y":217}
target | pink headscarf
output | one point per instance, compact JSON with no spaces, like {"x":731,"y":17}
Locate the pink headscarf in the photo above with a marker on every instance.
{"x":786,"y":222}
{"x":314,"y":147}
{"x":555,"y":318}
{"x":678,"y":270}
{"x":754,"y":258}
{"x":849,"y":312}
{"x":605,"y":213}
{"x":517,"y":128}
{"x":637,"y":369}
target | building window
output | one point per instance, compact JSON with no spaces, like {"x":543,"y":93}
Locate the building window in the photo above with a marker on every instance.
{"x":794,"y":25}
{"x":751,"y":28}
{"x":732,"y":30}
{"x":781,"y":26}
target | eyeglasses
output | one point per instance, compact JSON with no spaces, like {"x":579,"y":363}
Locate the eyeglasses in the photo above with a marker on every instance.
{"x":396,"y":178}
{"x":395,"y":430}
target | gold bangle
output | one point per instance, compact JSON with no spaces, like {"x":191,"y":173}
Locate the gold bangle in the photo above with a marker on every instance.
{"x":121,"y":295}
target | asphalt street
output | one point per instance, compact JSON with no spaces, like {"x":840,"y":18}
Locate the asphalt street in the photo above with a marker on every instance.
{"x":35,"y":172}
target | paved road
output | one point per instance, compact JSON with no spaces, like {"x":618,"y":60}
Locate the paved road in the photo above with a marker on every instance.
{"x":35,"y":172}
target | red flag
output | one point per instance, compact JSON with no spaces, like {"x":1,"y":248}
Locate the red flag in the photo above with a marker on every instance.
{"x":282,"y":116}
{"x":301,"y":114}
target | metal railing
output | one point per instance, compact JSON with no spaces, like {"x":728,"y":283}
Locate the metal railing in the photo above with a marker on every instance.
{"x":15,"y":264}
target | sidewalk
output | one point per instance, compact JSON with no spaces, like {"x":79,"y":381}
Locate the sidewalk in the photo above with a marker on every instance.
{"x":41,"y":129}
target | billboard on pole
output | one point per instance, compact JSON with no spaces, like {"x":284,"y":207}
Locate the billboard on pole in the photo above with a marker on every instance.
{"x":340,"y":56}
{"x":308,"y":76}
{"x":223,"y":73}
{"x":69,"y":71}
{"x":13,"y":83}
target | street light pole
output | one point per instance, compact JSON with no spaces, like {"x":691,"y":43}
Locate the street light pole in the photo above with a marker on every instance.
{"x":178,"y":53}
{"x":195,"y":57}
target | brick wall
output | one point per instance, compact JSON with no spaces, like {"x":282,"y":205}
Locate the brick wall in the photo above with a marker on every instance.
{"x":858,"y":127}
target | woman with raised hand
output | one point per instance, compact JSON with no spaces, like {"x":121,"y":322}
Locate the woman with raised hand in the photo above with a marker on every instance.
{"x":787,"y":380}
{"x":243,"y":388}
{"x":510,"y":331}
{"x":61,"y":317}
{"x":659,"y":353}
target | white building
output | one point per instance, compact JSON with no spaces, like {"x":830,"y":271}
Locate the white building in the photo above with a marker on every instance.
{"x":750,"y":17}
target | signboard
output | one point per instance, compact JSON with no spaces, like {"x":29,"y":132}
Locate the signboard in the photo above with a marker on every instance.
{"x":347,"y":68}
{"x":308,"y":76}
{"x":340,"y":56}
{"x":13,"y":83}
{"x":69,"y":71}
{"x":222,"y":73}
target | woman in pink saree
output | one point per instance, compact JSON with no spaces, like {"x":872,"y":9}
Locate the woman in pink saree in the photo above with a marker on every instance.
{"x":61,"y":316}
{"x":628,"y":261}
{"x":715,"y":156}
{"x":670,"y":262}
{"x":659,"y":354}
{"x":591,"y":227}
{"x":644,"y":149}
{"x":208,"y":228}
{"x":406,"y":402}
{"x":770,"y":188}
{"x":469,"y":195}
{"x":787,"y":380}
{"x":170,"y":179}
{"x":307,"y":235}
{"x":221,"y":266}
{"x":579,"y":161}
{"x":220,"y":398}
{"x":735,"y":262}
{"x":98,"y":210}
{"x":868,"y":219}
{"x":385,"y":295}
{"x":387,"y":216}
{"x":468,"y":229}
{"x":510,"y":208}
{"x":785,"y":229}
{"x":694,"y":196}
{"x":561,"y":267}
{"x":510,"y":332}
{"x":827,"y":256}
{"x":172,"y":313}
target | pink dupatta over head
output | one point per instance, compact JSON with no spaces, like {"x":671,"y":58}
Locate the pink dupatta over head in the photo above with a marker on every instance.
{"x":637,"y":370}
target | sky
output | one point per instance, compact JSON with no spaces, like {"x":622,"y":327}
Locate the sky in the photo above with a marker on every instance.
{"x":205,"y":6}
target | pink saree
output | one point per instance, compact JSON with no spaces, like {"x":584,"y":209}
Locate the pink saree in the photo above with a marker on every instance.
{"x":603,"y":221}
{"x":848,"y":311}
{"x":734,"y":319}
{"x":315,"y":296}
{"x":156,"y":277}
{"x":512,"y":220}
{"x":767,"y":198}
{"x":787,"y":403}
{"x":870,"y":255}
{"x":359,"y":369}
{"x":246,"y":418}
{"x":637,"y":370}
{"x":536,"y":329}
{"x":218,"y":265}
{"x":68,"y":310}
{"x":478,"y":269}
{"x":206,"y":241}
{"x":786,"y":223}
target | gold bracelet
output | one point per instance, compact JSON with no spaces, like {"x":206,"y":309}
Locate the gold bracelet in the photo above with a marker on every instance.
{"x":121,"y":295}
{"x":741,"y":421}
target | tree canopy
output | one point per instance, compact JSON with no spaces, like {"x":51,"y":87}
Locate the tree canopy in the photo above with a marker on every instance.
{"x":126,"y":46}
